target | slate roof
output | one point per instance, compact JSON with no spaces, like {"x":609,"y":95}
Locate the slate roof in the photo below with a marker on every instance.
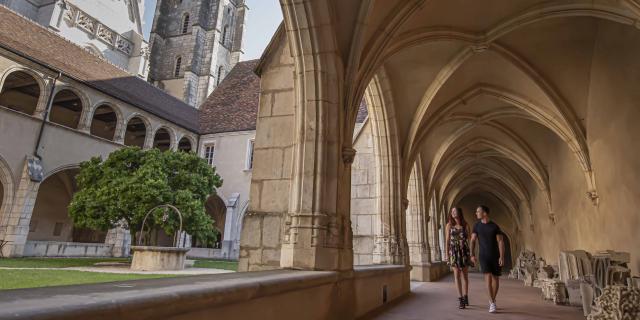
{"x":26,"y":38}
{"x":233,"y":105}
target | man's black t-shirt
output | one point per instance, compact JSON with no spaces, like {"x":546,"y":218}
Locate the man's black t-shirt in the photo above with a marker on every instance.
{"x":487,"y":233}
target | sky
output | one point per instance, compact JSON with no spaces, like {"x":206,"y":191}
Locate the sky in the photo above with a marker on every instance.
{"x":262,"y":20}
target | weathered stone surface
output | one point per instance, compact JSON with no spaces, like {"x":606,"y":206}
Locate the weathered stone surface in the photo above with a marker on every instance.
{"x":617,"y":303}
{"x":554,"y":290}
{"x":574,"y":292}
{"x":147,"y":258}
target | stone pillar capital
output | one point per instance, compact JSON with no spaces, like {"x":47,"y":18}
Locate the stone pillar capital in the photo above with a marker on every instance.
{"x":348,"y":154}
{"x":405,"y":204}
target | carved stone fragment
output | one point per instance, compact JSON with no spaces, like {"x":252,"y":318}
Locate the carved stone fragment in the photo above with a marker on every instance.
{"x":617,"y":303}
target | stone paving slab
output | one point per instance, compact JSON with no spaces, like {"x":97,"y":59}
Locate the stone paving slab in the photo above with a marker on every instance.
{"x":438,"y":300}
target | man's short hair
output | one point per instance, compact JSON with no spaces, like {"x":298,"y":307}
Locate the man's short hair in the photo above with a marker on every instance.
{"x":485,"y":209}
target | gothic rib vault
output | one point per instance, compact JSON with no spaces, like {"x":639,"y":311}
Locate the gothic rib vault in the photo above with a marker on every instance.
{"x":507,"y":103}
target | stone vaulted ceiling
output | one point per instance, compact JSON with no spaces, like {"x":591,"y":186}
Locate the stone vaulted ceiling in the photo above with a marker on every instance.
{"x":480,"y":95}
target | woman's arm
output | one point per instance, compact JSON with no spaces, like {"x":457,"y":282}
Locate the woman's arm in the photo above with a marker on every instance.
{"x":446,"y":242}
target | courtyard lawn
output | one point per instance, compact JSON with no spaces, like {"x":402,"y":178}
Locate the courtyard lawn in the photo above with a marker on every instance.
{"x":217,"y":264}
{"x":55,"y":262}
{"x":16,"y":279}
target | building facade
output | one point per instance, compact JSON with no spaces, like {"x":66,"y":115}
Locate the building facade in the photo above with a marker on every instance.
{"x":109,"y":29}
{"x":194,"y":44}
{"x":227,"y":134}
{"x":96,"y":108}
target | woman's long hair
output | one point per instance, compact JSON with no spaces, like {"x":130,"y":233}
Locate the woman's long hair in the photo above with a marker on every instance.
{"x":452,"y":221}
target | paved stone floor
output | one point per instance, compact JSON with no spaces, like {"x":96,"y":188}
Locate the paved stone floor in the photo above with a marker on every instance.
{"x":438,"y":301}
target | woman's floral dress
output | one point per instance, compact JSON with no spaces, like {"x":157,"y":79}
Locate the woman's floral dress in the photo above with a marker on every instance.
{"x":459,"y":256}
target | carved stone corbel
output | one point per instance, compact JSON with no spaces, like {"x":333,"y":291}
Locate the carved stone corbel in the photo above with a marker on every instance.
{"x":348,"y":154}
{"x":594,"y":197}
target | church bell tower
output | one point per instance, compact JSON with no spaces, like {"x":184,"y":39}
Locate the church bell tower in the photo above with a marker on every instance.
{"x":194,"y":44}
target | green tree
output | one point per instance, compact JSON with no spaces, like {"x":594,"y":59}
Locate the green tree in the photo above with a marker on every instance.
{"x":131,"y":181}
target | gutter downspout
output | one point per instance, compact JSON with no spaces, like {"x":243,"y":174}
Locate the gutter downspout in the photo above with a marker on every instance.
{"x":45,"y":116}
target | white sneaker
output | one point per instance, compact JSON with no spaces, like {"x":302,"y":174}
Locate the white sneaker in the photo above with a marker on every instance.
{"x":492,"y":307}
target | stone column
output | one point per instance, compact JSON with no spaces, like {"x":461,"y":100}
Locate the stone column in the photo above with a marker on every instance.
{"x":148,"y":138}
{"x":433,"y":235}
{"x":417,"y":228}
{"x":229,"y":237}
{"x":15,"y":225}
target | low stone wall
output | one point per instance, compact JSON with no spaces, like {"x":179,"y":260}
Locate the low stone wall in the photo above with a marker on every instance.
{"x":205,"y":253}
{"x":429,"y":272}
{"x":375,"y":286}
{"x":265,"y":295}
{"x":66,"y":249}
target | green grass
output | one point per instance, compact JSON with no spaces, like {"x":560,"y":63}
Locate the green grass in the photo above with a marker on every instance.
{"x":55,"y":262}
{"x":217,"y":264}
{"x":16,"y":279}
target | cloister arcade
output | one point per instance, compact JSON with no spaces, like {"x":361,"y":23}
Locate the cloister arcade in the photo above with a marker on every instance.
{"x":529,"y":107}
{"x":81,"y":123}
{"x":525,"y":106}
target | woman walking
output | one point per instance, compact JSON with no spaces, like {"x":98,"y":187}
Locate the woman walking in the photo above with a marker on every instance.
{"x":459,"y":259}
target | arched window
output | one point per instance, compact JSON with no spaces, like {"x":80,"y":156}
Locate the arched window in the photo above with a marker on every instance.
{"x":66,"y":109}
{"x":162,"y":140}
{"x":104,"y":122}
{"x":185,"y":23}
{"x":20,"y":92}
{"x":136,"y":133}
{"x":184,"y":145}
{"x":225,"y":30}
{"x":220,"y":75}
{"x":176,"y":70}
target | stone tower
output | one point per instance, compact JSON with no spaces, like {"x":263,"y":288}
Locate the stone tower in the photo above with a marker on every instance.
{"x":194,"y":44}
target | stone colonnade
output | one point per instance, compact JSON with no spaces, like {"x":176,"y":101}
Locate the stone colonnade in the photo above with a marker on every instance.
{"x":305,"y":196}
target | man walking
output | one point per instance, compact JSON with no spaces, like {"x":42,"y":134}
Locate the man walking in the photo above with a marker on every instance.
{"x":489,"y":235}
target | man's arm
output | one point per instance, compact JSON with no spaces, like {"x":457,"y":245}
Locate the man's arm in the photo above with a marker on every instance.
{"x":472,"y":249}
{"x":500,"y":239}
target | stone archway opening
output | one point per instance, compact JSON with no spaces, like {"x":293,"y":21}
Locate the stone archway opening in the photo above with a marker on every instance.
{"x":135,"y":133}
{"x":162,"y":140}
{"x":104,"y":122}
{"x":217,"y":210}
{"x":20,"y":92}
{"x":185,"y":145}
{"x":51,"y":230}
{"x":66,"y":109}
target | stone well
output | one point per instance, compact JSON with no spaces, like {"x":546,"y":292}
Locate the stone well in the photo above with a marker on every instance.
{"x":149,"y":258}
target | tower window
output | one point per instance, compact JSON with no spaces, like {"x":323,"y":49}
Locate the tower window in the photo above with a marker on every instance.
{"x":176,"y":71}
{"x":185,"y":23}
{"x":225,"y":30}
{"x":220,"y":74}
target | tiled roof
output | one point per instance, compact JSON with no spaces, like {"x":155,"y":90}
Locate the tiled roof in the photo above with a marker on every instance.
{"x":26,"y":38}
{"x":233,"y":105}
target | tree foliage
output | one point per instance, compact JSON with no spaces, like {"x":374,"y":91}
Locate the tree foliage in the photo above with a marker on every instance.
{"x":131,"y":181}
